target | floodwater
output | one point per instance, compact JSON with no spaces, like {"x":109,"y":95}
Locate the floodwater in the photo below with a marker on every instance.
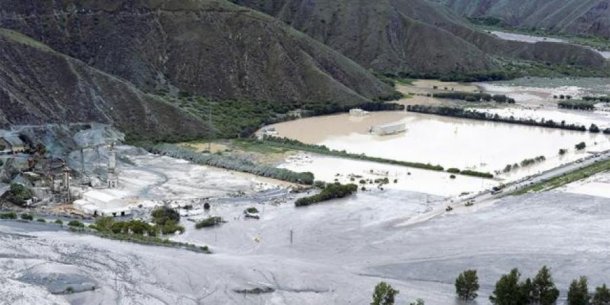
{"x":534,"y":97}
{"x":331,"y":169}
{"x":449,"y":142}
{"x":535,"y":39}
{"x":524,"y":37}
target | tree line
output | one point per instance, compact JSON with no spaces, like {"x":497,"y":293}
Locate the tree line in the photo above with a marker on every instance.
{"x":329,"y":192}
{"x":474,"y":97}
{"x":483,"y":116}
{"x":511,"y":290}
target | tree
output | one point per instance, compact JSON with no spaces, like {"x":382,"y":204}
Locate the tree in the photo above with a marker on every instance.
{"x":602,"y":296}
{"x":580,"y":146}
{"x":418,"y":302}
{"x":384,"y":294}
{"x":579,"y":292}
{"x":467,"y":285}
{"x":508,"y":291}
{"x":544,"y":291}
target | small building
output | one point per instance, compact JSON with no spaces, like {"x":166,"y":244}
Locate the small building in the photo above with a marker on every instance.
{"x":389,"y":129}
{"x":11,"y":144}
{"x":358,"y":112}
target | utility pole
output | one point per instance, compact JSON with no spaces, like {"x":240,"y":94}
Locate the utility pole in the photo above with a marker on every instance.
{"x":291,"y":236}
{"x":210,"y":126}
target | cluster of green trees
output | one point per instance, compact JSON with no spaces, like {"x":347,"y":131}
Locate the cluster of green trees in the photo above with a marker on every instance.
{"x":231,"y":163}
{"x":483,"y":76}
{"x":580,"y":146}
{"x":603,"y":99}
{"x":209,"y":222}
{"x":474,"y":97}
{"x":607,"y":131}
{"x":132,"y":227}
{"x":577,"y":105}
{"x":19,"y":194}
{"x":330,"y":191}
{"x":525,"y":162}
{"x":540,"y":290}
{"x":167,"y":220}
{"x":477,"y":115}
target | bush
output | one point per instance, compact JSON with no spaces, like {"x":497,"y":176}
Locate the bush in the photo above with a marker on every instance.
{"x":331,"y":191}
{"x":562,"y":151}
{"x":580,"y":146}
{"x":76,"y":224}
{"x":251,"y":210}
{"x":209,"y":222}
{"x":42,"y":220}
{"x":27,"y":216}
{"x":384,"y":294}
{"x":19,"y":194}
{"x":8,"y":215}
{"x":59,"y":222}
{"x":453,"y":170}
{"x":162,"y":215}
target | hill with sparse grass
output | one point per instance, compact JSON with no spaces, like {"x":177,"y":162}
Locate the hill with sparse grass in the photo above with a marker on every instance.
{"x":416,"y":36}
{"x":581,"y":17}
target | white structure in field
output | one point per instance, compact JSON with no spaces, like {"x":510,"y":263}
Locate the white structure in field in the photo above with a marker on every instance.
{"x":104,"y":203}
{"x":389,"y":129}
{"x":358,"y":112}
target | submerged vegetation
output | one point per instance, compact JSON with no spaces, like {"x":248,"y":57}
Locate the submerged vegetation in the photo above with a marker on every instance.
{"x":291,"y":144}
{"x":474,"y":97}
{"x":329,"y":192}
{"x":483,"y":116}
{"x":577,"y":104}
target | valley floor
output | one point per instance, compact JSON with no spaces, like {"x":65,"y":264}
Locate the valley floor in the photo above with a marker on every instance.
{"x":340,"y":250}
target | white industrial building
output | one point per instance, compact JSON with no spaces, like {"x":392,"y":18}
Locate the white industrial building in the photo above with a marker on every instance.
{"x":389,"y":129}
{"x":358,"y":112}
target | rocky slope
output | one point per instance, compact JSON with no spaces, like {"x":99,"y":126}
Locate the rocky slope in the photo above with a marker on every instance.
{"x":412,"y":36}
{"x":39,"y":85}
{"x":210,"y":48}
{"x":584,"y":17}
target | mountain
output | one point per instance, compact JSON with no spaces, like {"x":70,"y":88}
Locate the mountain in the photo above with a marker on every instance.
{"x":39,"y":85}
{"x":392,"y":36}
{"x":582,"y":17}
{"x":209,"y":48}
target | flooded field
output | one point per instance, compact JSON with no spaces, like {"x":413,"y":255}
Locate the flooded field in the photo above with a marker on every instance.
{"x":401,"y":178}
{"x":450,"y":142}
{"x":598,"y":185}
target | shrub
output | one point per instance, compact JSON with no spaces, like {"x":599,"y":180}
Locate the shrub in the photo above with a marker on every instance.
{"x":331,"y":191}
{"x":76,"y":224}
{"x":580,"y":146}
{"x":19,"y":194}
{"x":27,"y":216}
{"x":209,"y":222}
{"x":59,"y":222}
{"x":41,"y":220}
{"x":162,"y":215}
{"x":251,"y":210}
{"x":384,"y":294}
{"x":8,"y":215}
{"x":453,"y":170}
